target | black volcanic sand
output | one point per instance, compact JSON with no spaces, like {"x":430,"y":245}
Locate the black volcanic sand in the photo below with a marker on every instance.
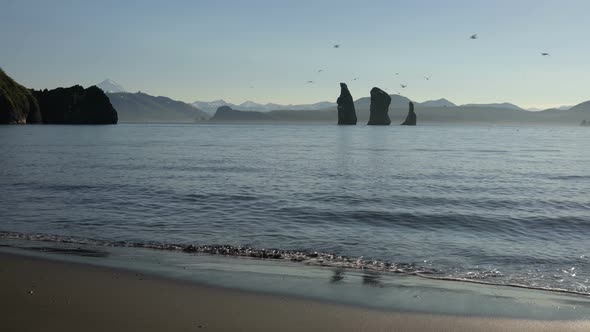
{"x":42,"y":295}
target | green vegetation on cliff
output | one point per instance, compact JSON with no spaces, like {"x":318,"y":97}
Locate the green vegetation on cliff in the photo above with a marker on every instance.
{"x":17,"y":104}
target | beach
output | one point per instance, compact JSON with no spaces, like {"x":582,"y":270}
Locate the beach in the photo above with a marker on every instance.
{"x":38,"y":294}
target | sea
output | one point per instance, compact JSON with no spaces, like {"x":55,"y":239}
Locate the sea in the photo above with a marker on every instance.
{"x":375,"y":207}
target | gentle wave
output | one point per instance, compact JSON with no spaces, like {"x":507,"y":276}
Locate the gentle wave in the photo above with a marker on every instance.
{"x":307,"y":257}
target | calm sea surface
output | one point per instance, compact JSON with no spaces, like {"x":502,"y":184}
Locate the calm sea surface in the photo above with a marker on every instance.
{"x":503,"y":205}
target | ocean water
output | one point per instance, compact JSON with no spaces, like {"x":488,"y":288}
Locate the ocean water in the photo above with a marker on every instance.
{"x":497,"y":205}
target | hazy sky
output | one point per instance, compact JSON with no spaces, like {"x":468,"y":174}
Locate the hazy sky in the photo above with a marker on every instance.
{"x":266,"y":50}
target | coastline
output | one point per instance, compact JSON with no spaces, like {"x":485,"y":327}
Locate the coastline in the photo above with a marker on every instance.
{"x":44,"y":294}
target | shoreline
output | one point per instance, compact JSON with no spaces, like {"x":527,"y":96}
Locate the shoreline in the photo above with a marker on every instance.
{"x":313,"y":259}
{"x":38,"y":294}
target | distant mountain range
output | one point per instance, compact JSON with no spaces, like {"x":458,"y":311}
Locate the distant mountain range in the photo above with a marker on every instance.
{"x":397,"y":101}
{"x":141,"y":107}
{"x":212,"y":106}
{"x":561,"y":108}
{"x":464,"y":114}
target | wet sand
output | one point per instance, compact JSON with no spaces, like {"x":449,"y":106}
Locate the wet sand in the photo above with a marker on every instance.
{"x":43,"y":295}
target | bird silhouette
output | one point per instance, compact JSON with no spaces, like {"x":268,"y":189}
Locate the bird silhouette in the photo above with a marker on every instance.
{"x":309,"y":82}
{"x":545,"y":54}
{"x":355,"y":79}
{"x":397,"y":73}
{"x":403,"y":86}
{"x":427,"y":78}
{"x":473,"y":36}
{"x":321,"y":70}
{"x":337,"y":46}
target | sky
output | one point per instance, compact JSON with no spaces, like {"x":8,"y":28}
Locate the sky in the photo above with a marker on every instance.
{"x":267,"y":50}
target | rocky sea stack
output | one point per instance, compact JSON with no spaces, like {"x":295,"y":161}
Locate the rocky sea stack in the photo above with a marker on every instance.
{"x":17,"y":103}
{"x":411,"y":118}
{"x":346,"y":111}
{"x":76,"y":105}
{"x":380,"y":101}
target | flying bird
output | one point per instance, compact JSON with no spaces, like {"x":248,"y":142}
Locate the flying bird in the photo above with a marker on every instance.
{"x":473,"y":36}
{"x":427,"y":78}
{"x":545,"y":54}
{"x":309,"y":82}
{"x":337,"y":46}
{"x":321,"y":70}
{"x":397,"y":73}
{"x":403,"y":86}
{"x":356,"y":78}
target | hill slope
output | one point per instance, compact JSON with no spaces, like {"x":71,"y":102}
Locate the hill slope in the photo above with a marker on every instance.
{"x":141,"y":107}
{"x":437,"y":103}
{"x":582,"y":107}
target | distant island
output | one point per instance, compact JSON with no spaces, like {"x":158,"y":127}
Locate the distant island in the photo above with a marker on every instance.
{"x":74,"y":105}
{"x":226,"y":113}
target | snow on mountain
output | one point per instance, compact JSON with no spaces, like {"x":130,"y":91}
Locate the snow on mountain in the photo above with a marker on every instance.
{"x":211,"y":107}
{"x":110,"y":86}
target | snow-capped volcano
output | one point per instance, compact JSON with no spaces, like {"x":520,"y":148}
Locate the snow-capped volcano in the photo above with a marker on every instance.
{"x":109,"y":85}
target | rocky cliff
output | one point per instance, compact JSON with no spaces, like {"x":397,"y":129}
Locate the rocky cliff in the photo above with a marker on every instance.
{"x":411,"y":118}
{"x":346,"y":111}
{"x":76,"y":105}
{"x":17,"y":103}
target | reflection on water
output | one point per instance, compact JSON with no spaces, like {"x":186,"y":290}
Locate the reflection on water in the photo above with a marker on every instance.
{"x":337,"y":276}
{"x":72,"y":251}
{"x":372,"y":279}
{"x":368,"y":278}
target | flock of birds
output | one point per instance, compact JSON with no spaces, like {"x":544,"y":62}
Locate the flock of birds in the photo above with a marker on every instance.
{"x":426,"y":77}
